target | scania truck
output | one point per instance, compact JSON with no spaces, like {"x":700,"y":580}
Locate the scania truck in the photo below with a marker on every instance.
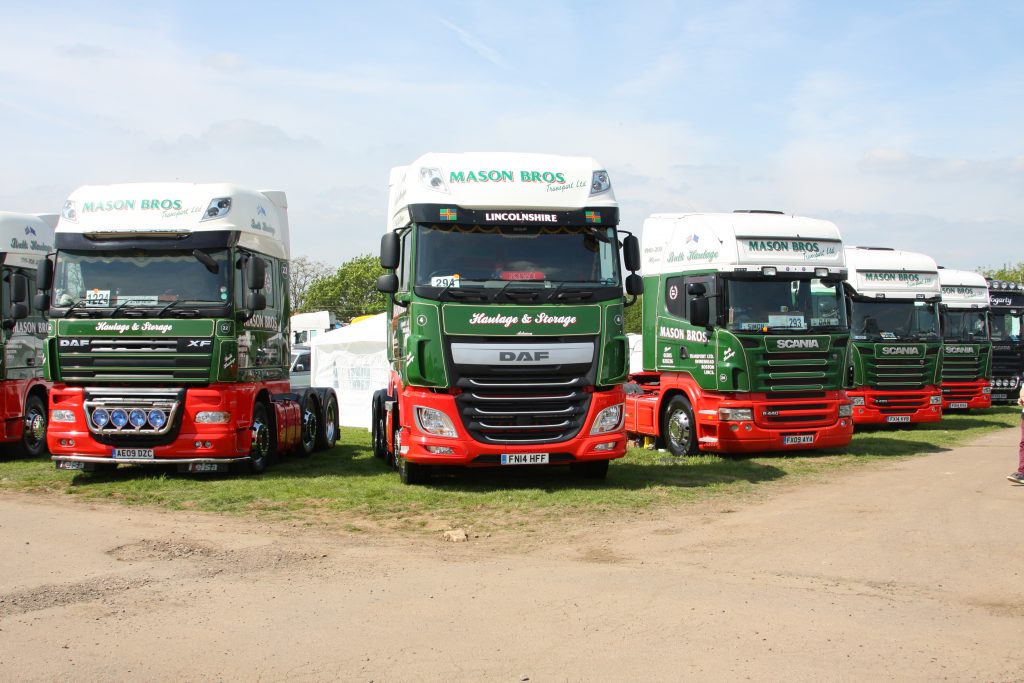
{"x":506,"y":336}
{"x":168,"y":334}
{"x":897,"y":347}
{"x":1007,"y":317}
{"x":967,"y":348}
{"x":25,"y":239}
{"x":745,"y":334}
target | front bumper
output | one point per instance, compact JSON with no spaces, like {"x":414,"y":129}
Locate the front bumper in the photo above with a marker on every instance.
{"x":468,"y":452}
{"x":895,"y":407}
{"x":778,"y":425}
{"x":966,"y":395}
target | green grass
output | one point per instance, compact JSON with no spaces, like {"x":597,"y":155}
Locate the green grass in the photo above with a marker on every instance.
{"x":351,"y":488}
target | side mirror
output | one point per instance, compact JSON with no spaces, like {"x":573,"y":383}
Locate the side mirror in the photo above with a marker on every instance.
{"x":44,"y":275}
{"x":42,"y":302}
{"x":256,"y":275}
{"x":700,"y":310}
{"x":631,"y":253}
{"x":300,"y":367}
{"x":387,"y":283}
{"x":19,"y":311}
{"x":19,"y":290}
{"x":255,"y":301}
{"x":696,"y":289}
{"x":634,"y":285}
{"x":390,"y":250}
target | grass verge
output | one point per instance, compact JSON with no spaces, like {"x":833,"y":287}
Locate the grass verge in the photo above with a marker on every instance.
{"x":349,"y":485}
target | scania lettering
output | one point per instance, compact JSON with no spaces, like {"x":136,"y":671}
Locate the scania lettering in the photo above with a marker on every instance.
{"x":1007,"y":318}
{"x":506,"y":338}
{"x":25,"y":239}
{"x":967,"y":347}
{"x":165,"y":342}
{"x":744,"y":344}
{"x":896,"y":354}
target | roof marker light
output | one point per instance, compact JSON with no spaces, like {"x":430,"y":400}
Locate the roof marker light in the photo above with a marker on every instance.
{"x":69,"y":213}
{"x":769,"y":271}
{"x":432,"y":179}
{"x":218,"y":208}
{"x":600,"y":182}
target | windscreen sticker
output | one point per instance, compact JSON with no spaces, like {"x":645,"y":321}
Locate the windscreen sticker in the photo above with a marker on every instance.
{"x":138,"y":300}
{"x":796,"y":321}
{"x":97,"y":297}
{"x":445,"y":281}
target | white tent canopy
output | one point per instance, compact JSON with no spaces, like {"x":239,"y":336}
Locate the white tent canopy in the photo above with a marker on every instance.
{"x":352,"y":360}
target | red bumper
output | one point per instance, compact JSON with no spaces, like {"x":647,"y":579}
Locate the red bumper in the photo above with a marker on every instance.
{"x":68,"y":440}
{"x":777,"y":425}
{"x":966,"y":395}
{"x":466,"y":451}
{"x":896,"y":407}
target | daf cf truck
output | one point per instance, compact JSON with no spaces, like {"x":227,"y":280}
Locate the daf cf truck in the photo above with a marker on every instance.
{"x":168,"y":334}
{"x":1007,"y":318}
{"x":897,"y":347}
{"x":25,"y":239}
{"x":745,"y":334}
{"x":967,"y":348}
{"x":506,"y":337}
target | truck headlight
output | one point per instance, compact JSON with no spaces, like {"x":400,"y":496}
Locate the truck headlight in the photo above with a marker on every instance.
{"x":857,"y":400}
{"x":736,"y":414}
{"x":935,"y":400}
{"x":62,"y":416}
{"x":987,"y":389}
{"x":608,"y":420}
{"x":212,"y":417}
{"x":434,"y":422}
{"x":845,"y":410}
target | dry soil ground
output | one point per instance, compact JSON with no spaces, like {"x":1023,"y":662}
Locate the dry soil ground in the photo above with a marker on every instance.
{"x":912,"y":570}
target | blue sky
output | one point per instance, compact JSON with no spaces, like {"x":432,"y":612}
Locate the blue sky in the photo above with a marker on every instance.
{"x":902,"y":122}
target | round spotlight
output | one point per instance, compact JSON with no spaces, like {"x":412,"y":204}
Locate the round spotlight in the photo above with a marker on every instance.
{"x":100,"y":418}
{"x":137,"y":418}
{"x":157,"y":419}
{"x":119,"y":418}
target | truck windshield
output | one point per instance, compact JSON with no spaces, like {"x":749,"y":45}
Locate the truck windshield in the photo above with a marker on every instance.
{"x":496,"y":255}
{"x":139,"y":279}
{"x":965,"y":325}
{"x":754,"y":305}
{"x":889,"y":320}
{"x":1006,"y":327}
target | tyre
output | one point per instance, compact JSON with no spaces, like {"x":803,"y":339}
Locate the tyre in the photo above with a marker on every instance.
{"x":310,"y":416}
{"x":590,"y":469}
{"x":411,"y":472}
{"x":379,"y":427}
{"x":261,"y":451}
{"x":33,"y":437}
{"x":327,"y":435}
{"x":678,"y":427}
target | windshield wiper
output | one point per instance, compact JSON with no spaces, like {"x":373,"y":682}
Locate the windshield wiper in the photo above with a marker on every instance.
{"x":75,"y":305}
{"x":558,"y":294}
{"x":121,"y":307}
{"x":193,"y":311}
{"x":513,"y":294}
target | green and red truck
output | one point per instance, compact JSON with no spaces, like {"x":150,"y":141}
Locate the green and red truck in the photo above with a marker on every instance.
{"x":506,"y":337}
{"x":896,"y":366}
{"x":745,"y":335}
{"x":168,"y":336}
{"x":967,"y":346}
{"x":25,"y":239}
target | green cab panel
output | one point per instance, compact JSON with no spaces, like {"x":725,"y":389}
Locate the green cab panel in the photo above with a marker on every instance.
{"x":513,"y":320}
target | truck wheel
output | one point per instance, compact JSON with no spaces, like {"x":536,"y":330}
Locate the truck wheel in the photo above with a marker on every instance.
{"x":262,"y":448}
{"x":679,"y":428}
{"x":310,"y":412}
{"x":379,"y":427}
{"x":412,"y":472}
{"x":327,"y":435}
{"x":590,"y":469}
{"x":33,"y":437}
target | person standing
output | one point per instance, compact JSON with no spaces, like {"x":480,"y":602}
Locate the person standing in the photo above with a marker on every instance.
{"x":1018,"y":476}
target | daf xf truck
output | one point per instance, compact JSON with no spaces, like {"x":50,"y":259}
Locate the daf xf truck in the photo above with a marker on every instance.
{"x":745,"y":334}
{"x":1007,"y":317}
{"x":506,"y":337}
{"x":168,"y":338}
{"x":967,"y":348}
{"x":25,"y":239}
{"x":897,"y":348}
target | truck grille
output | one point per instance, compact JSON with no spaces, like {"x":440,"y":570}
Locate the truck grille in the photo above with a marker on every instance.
{"x":898,"y":373}
{"x":1007,"y":360}
{"x":135,"y":359}
{"x":795,"y":414}
{"x":960,"y":368}
{"x":896,"y":403}
{"x":806,"y":371}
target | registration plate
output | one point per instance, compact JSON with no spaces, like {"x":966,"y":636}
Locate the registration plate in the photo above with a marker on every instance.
{"x":203,"y":467}
{"x":70,"y":465}
{"x":524,"y":458}
{"x":133,"y":453}
{"x":998,"y":397}
{"x":799,"y":438}
{"x":898,"y":418}
{"x":955,"y":406}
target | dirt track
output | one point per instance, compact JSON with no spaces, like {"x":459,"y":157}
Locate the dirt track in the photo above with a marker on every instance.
{"x":905,"y":571}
